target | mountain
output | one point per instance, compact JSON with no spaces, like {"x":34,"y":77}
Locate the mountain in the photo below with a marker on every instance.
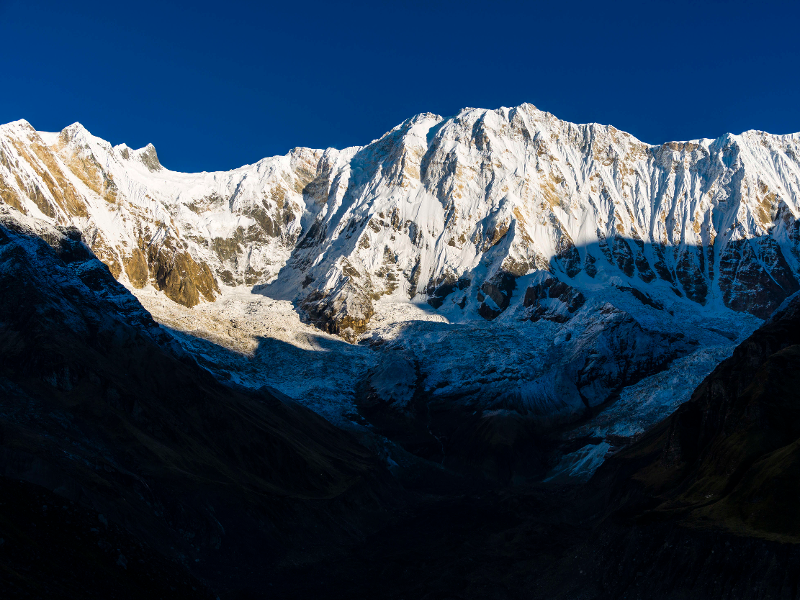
{"x":508,"y":273}
{"x":100,"y":405}
{"x":728,"y":456}
{"x":702,"y":506}
{"x":483,"y":197}
{"x":488,"y":311}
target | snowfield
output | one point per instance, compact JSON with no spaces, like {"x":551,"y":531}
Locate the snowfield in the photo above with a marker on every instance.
{"x":251,"y":340}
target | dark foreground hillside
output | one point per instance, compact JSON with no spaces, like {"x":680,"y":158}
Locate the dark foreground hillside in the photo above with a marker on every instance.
{"x":130,"y":472}
{"x":99,"y":407}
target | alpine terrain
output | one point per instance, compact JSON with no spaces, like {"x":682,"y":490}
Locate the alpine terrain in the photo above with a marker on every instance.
{"x":535,"y":349}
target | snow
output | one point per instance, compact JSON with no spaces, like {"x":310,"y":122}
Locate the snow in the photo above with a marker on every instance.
{"x":253,"y":341}
{"x":49,"y":138}
{"x":644,"y":404}
{"x":580,"y":465}
{"x":454,"y":179}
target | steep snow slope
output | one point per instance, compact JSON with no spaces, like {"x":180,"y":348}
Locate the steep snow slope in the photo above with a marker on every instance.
{"x":493,"y":263}
{"x":475,"y":201}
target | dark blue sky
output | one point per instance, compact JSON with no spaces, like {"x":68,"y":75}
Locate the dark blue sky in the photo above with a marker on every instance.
{"x":215,"y":85}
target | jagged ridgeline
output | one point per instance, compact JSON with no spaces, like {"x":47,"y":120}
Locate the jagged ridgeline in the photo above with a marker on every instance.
{"x":454,"y":209}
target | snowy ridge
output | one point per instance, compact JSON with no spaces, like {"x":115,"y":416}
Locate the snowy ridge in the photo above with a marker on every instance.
{"x":434,"y":201}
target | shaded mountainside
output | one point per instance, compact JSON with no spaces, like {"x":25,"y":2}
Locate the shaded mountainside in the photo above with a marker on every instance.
{"x":100,"y":405}
{"x":55,"y":548}
{"x":728,"y":458}
{"x":701,"y":507}
{"x":704,"y":505}
{"x":483,"y":401}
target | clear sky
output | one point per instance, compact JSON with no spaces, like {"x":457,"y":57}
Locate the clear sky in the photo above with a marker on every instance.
{"x":214,"y":85}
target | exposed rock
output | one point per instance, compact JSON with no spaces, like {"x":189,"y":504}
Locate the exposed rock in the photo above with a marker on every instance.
{"x":553,"y":300}
{"x":136,"y":268}
{"x":487,"y":311}
{"x":567,"y":254}
{"x":181,"y":278}
{"x":642,"y":297}
{"x":602,"y":243}
{"x":643,"y":269}
{"x":330,"y":312}
{"x":661,"y":266}
{"x":748,"y":285}
{"x":499,"y":289}
{"x":623,"y":256}
{"x":690,"y":275}
{"x":107,"y":254}
{"x":149,"y":158}
{"x":437,"y":295}
{"x":227,"y":249}
{"x":590,"y":265}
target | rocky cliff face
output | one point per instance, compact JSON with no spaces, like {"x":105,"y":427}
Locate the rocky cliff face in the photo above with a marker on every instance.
{"x":456,"y":209}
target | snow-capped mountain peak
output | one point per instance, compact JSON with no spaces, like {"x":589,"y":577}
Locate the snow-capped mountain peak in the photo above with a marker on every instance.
{"x":485,"y":197}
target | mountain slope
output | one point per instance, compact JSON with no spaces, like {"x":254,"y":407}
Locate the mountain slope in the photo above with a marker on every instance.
{"x":728,"y":458}
{"x":101,"y":405}
{"x":702,"y":506}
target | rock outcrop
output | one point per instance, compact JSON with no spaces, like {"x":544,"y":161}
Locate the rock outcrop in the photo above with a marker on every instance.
{"x":552,"y":299}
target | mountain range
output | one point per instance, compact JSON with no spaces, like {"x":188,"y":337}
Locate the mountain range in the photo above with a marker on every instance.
{"x":491,"y":301}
